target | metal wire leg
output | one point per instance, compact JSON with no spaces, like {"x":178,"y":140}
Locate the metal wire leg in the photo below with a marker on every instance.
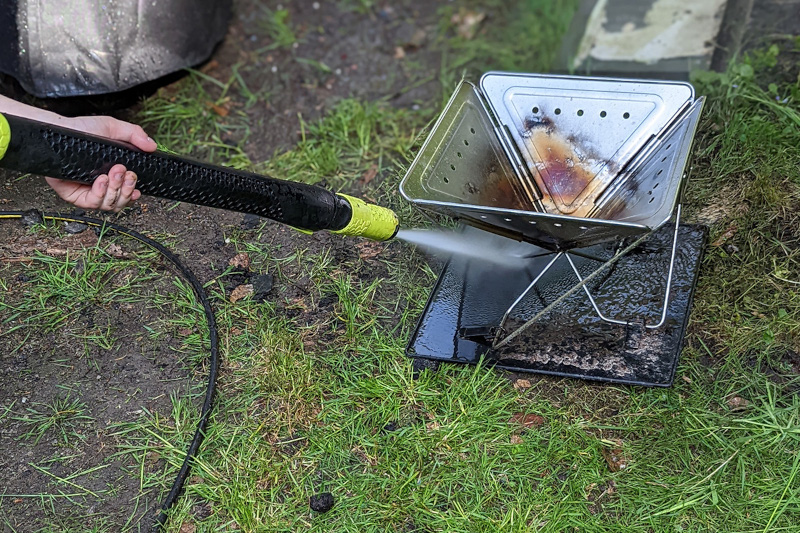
{"x":526,"y":291}
{"x":665,"y":305}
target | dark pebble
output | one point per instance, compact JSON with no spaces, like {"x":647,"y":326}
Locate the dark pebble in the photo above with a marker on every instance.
{"x":322,"y":502}
{"x":75,"y":227}
{"x":391,"y":426}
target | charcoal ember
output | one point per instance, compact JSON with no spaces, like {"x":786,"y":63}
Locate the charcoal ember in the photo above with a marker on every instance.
{"x":73,"y":227}
{"x":251,"y":221}
{"x":262,"y":285}
{"x":32,"y":218}
{"x":322,"y":502}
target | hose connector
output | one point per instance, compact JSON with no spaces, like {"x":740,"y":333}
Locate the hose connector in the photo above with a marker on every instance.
{"x":370,"y":221}
{"x":5,"y":135}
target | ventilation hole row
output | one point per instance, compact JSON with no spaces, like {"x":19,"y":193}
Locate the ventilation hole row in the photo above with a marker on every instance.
{"x":580,"y":113}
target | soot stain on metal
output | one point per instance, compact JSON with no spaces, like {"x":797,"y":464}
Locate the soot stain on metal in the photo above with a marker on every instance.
{"x":564,"y":167}
{"x":497,"y":188}
{"x":572,"y":340}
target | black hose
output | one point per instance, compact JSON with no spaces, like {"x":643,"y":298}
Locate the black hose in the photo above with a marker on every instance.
{"x":49,"y":150}
{"x":208,"y":402}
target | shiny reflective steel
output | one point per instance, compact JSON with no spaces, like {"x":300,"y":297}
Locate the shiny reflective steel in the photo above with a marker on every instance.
{"x":576,"y":133}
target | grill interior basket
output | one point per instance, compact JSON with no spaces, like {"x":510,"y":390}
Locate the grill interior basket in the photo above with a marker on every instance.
{"x":559,"y":161}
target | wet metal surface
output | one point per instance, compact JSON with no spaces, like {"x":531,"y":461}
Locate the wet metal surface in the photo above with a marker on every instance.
{"x":571,"y":340}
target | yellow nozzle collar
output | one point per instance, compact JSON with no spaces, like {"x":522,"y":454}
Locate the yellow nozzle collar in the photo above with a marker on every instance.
{"x":370,"y":221}
{"x":5,"y":135}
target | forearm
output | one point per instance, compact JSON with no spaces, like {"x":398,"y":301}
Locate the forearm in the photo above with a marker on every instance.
{"x":12,"y":107}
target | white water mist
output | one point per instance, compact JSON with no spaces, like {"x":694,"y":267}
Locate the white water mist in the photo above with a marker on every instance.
{"x":469,"y":244}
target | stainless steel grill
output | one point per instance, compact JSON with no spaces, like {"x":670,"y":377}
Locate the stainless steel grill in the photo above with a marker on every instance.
{"x":559,"y":161}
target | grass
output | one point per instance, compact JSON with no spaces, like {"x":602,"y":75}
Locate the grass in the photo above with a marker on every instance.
{"x":194,"y":117}
{"x":328,"y":403}
{"x":59,"y":419}
{"x":353,"y":139}
{"x":316,"y":394}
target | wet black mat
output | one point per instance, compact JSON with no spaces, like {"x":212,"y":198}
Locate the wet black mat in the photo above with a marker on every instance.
{"x":471,"y":297}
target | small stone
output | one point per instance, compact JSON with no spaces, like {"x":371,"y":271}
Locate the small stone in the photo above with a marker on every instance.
{"x":315,"y":5}
{"x":737,"y":403}
{"x":322,"y":502}
{"x":418,"y":39}
{"x":73,"y":227}
{"x":387,"y":13}
{"x":24,"y":399}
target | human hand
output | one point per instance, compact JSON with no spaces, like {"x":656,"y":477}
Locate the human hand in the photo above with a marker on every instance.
{"x":112,"y":191}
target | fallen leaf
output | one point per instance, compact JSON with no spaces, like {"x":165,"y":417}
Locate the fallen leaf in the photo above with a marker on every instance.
{"x":527,"y":420}
{"x":369,"y":175}
{"x":221,"y":110}
{"x":615,"y":458}
{"x":399,"y":53}
{"x":185,"y":332}
{"x":242,"y":291}
{"x":730,"y":232}
{"x":241,"y":260}
{"x":737,"y":403}
{"x":211,"y":65}
{"x":516,"y":439}
{"x":235,"y":332}
{"x":467,"y":22}
{"x":115,"y":251}
{"x":188,"y":527}
{"x":369,"y":249}
{"x":687,"y":379}
{"x":55,"y":251}
{"x":522,"y":384}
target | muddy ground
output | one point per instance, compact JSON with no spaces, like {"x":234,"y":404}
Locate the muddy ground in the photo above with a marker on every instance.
{"x":45,"y":366}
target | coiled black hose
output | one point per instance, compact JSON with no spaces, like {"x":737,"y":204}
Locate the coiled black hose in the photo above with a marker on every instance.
{"x":208,"y":402}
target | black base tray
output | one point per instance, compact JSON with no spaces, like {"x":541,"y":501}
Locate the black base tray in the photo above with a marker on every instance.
{"x":471,"y":297}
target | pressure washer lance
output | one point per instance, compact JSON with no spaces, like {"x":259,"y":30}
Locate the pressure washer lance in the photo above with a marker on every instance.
{"x":47,"y":150}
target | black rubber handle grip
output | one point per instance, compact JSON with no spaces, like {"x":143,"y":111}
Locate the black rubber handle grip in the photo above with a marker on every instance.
{"x":47,"y":150}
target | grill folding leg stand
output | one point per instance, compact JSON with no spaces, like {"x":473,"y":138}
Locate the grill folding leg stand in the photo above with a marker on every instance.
{"x":582,"y":283}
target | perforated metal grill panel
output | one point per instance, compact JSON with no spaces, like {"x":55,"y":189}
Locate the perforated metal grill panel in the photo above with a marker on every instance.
{"x":463,"y":162}
{"x":648,"y":192}
{"x":577,"y":133}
